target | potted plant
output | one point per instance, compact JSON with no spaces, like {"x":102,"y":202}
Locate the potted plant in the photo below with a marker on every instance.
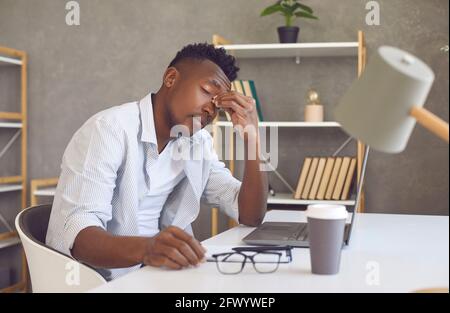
{"x":290,"y":9}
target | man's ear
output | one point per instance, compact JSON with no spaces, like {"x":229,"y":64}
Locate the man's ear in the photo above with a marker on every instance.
{"x":170,"y":77}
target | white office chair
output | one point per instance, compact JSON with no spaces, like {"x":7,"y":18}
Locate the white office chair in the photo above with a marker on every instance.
{"x":51,"y":270}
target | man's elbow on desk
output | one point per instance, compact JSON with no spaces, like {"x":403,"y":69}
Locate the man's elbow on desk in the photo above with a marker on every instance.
{"x":251,"y":222}
{"x":252,"y":216}
{"x":252,"y":208}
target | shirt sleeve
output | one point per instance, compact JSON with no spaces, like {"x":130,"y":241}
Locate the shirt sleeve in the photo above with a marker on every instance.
{"x":89,"y":172}
{"x":222,"y":188}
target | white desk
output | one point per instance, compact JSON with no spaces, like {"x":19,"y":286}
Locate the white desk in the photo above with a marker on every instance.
{"x":387,"y":253}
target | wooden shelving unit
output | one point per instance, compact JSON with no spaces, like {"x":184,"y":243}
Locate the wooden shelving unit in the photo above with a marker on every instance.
{"x":285,"y":124}
{"x":15,"y":120}
{"x":297,"y":51}
{"x":286,"y":198}
{"x":42,"y":188}
{"x":12,"y":241}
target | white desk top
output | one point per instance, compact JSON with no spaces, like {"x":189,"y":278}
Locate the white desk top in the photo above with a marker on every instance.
{"x":387,"y":253}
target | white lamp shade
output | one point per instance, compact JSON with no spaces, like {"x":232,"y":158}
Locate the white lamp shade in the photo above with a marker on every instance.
{"x":376,"y":108}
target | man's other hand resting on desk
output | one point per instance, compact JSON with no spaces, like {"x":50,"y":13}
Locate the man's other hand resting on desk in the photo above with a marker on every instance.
{"x":172,"y":248}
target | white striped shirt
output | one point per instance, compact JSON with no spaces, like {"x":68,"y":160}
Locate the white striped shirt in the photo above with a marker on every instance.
{"x":165,"y":174}
{"x":102,"y":170}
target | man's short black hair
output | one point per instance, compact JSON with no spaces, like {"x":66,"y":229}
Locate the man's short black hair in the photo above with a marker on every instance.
{"x":205,"y":51}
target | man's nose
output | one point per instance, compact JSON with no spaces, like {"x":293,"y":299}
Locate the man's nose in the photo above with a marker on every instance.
{"x":210,"y":108}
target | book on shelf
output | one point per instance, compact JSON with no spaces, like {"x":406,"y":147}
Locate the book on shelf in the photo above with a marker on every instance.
{"x":302,"y":178}
{"x":237,"y":86}
{"x":349,"y":179}
{"x":341,"y":178}
{"x":250,"y":90}
{"x":325,"y":178}
{"x":247,"y":88}
{"x":227,"y":115}
{"x":310,"y":178}
{"x":317,"y":178}
{"x":333,"y":178}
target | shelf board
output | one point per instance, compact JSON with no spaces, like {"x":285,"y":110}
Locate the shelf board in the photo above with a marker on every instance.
{"x":10,"y":125}
{"x":9,"y":61}
{"x":4,"y":243}
{"x":287,"y":198}
{"x":286,"y":124}
{"x":45,"y":192}
{"x":10,"y":187}
{"x":285,"y":50}
{"x":280,"y":198}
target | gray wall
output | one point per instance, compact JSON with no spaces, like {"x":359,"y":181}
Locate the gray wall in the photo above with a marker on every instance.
{"x":121,"y":49}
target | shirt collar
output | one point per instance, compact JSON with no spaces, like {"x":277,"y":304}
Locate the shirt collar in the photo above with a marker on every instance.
{"x":148,"y":124}
{"x":147,"y":120}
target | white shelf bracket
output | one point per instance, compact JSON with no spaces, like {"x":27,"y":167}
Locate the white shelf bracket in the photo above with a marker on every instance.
{"x":342,"y":146}
{"x":276,"y":173}
{"x":10,"y":142}
{"x":5,"y":223}
{"x":297,"y":59}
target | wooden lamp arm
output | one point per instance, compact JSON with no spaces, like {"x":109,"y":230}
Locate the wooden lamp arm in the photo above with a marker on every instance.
{"x":431,"y":122}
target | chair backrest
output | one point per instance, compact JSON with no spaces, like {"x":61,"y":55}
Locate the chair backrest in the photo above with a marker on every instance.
{"x":51,"y":270}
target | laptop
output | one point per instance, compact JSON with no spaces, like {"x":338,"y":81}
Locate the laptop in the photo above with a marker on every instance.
{"x":296,"y":234}
{"x":285,"y":234}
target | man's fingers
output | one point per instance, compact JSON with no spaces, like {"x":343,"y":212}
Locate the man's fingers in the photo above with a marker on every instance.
{"x":190,"y":240}
{"x":188,"y":251}
{"x":238,"y":97}
{"x":233,"y":106}
{"x":159,"y":260}
{"x":179,"y":233}
{"x":177,"y":256}
{"x":169,"y":250}
{"x":198,"y":248}
{"x":245,"y":102}
{"x":171,"y":264}
{"x":175,"y":249}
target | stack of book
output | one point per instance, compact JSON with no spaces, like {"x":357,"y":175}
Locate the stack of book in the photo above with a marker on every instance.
{"x":326,"y":178}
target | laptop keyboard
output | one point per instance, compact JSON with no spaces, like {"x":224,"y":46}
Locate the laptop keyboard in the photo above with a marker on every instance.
{"x":301,"y":233}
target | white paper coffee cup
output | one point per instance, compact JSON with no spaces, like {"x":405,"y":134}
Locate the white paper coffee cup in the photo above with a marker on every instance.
{"x":326,"y":225}
{"x":327,"y":211}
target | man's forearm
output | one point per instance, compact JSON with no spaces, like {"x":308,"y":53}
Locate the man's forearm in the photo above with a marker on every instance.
{"x":98,"y":248}
{"x":254,"y":189}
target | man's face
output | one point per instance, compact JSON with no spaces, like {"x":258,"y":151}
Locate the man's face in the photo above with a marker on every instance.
{"x":196,"y":83}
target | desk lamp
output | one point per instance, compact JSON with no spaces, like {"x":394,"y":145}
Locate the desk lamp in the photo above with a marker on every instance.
{"x":382,"y":106}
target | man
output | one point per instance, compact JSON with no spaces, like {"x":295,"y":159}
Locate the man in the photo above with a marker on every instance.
{"x":123,"y":200}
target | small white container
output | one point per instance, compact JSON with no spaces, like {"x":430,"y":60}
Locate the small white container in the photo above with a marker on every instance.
{"x":314,"y":113}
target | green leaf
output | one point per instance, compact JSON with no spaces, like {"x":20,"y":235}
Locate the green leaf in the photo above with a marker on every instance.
{"x":272,"y":9}
{"x":291,"y":9}
{"x":306,"y":15}
{"x":285,"y":11}
{"x":305,"y":8}
{"x":294,"y":8}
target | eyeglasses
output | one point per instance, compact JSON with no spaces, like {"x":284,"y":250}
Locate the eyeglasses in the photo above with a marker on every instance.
{"x":264,"y":259}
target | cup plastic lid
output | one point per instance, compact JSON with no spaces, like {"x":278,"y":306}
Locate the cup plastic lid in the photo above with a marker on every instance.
{"x":327,"y":211}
